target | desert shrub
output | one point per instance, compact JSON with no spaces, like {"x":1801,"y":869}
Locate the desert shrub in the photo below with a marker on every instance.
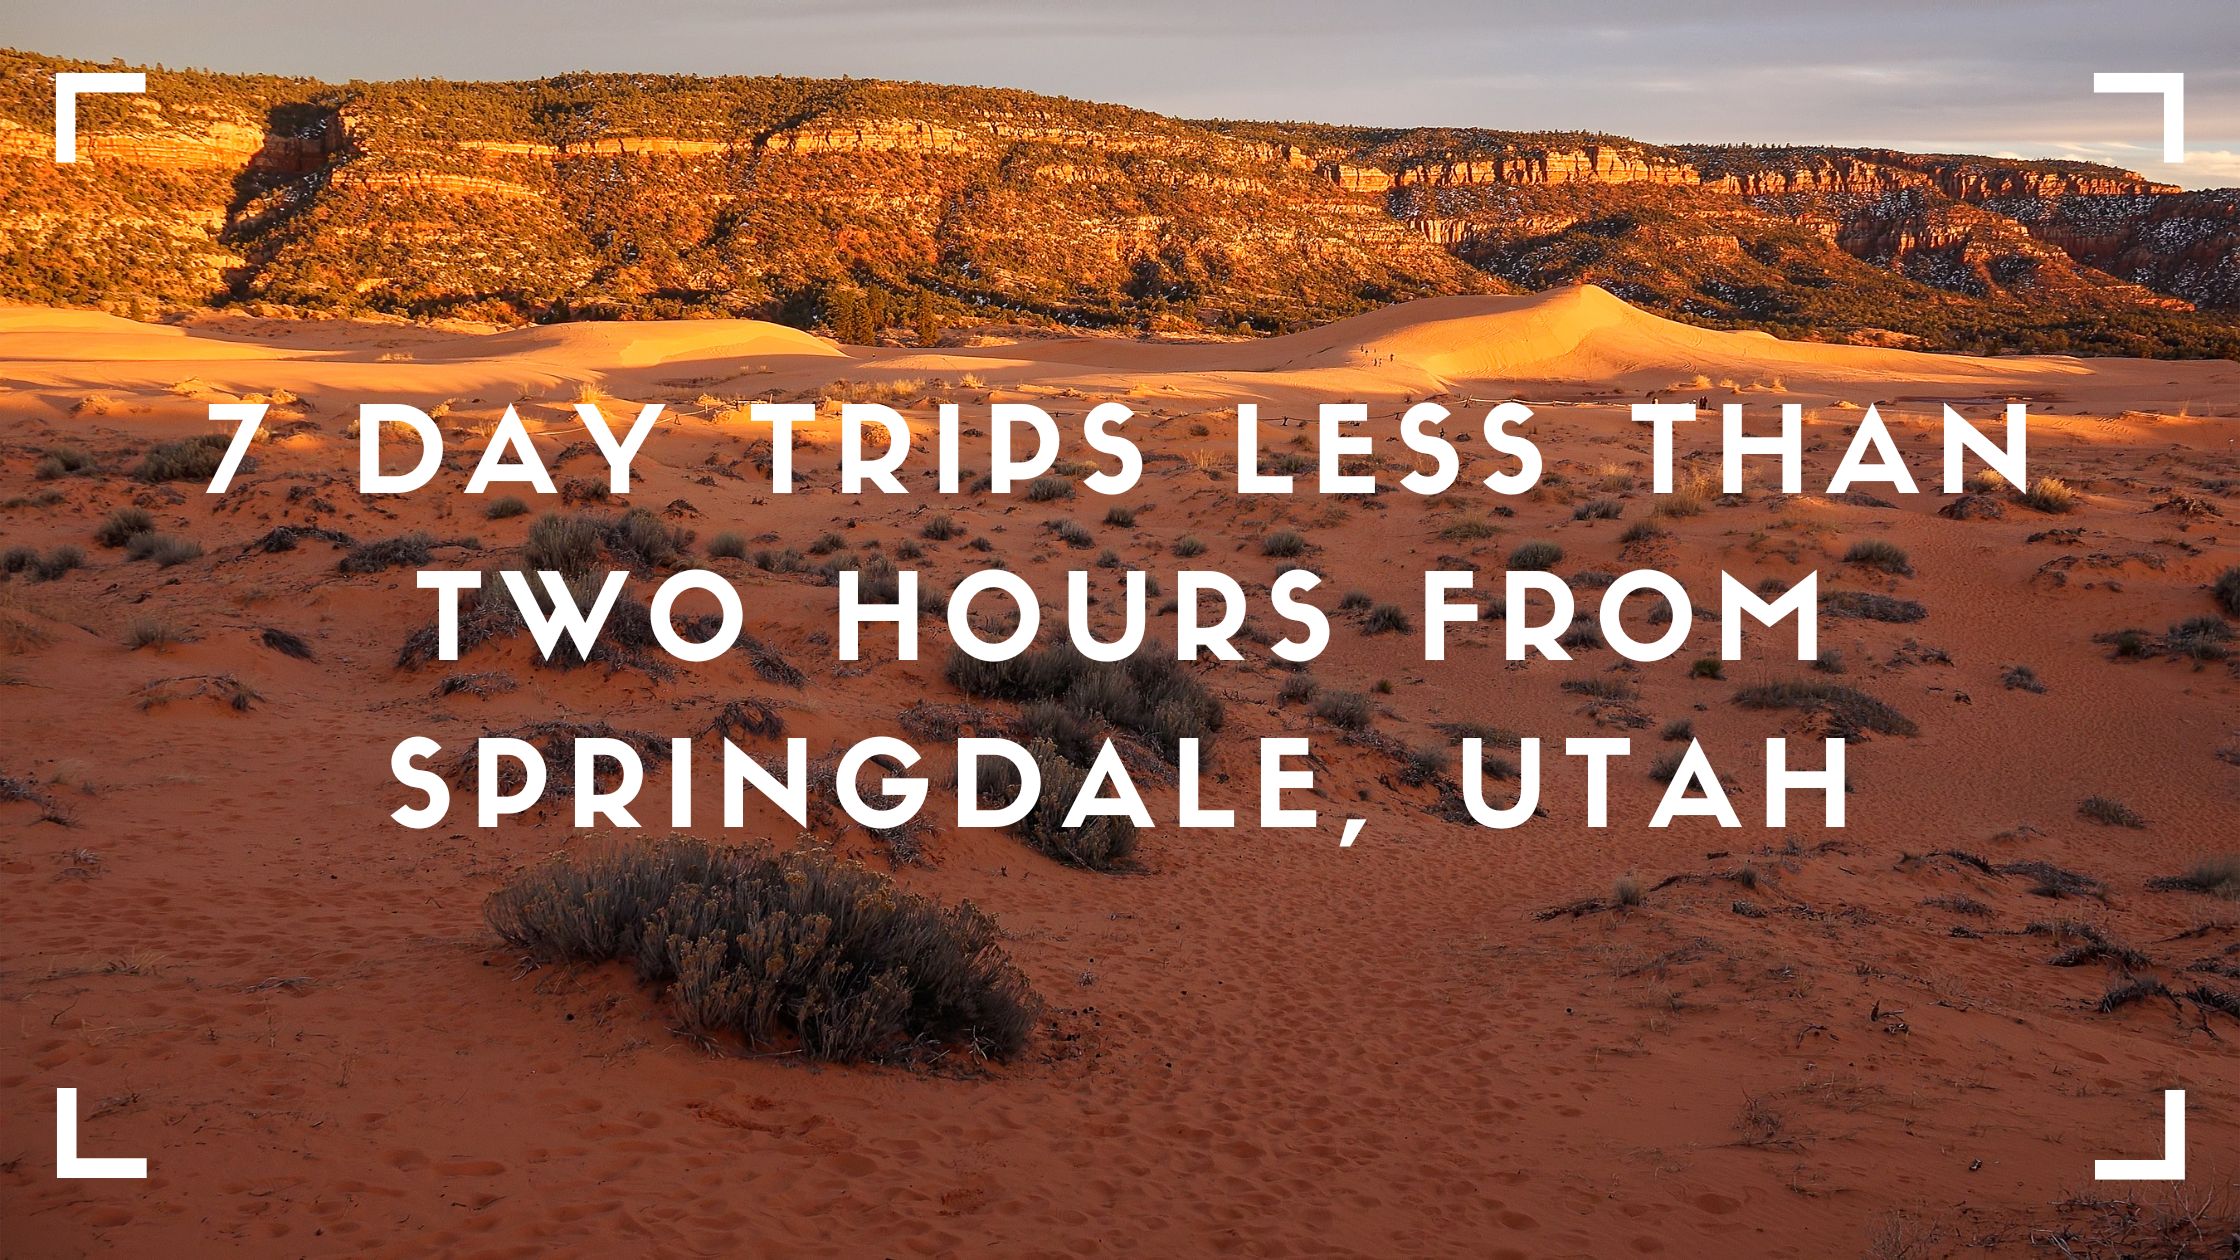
{"x":165,"y":549}
{"x":563,"y":543}
{"x":1872,"y":606}
{"x":151,"y":632}
{"x":506,"y":507}
{"x":2052,"y":494}
{"x":941,"y":528}
{"x":1120,"y":516}
{"x":770,"y":946}
{"x":1047,"y":489}
{"x":1385,"y":619}
{"x":2226,"y":591}
{"x":1355,"y":601}
{"x":1601,"y":688}
{"x":123,"y":525}
{"x":1283,"y":544}
{"x":1187,"y":546}
{"x":2021,"y":678}
{"x":404,"y":551}
{"x":643,"y":542}
{"x":1627,"y":891}
{"x":2218,"y":876}
{"x":186,"y":459}
{"x":728,"y":546}
{"x":1677,"y":730}
{"x":827,"y":543}
{"x":1073,"y":534}
{"x":1850,"y":711}
{"x":1345,"y":710}
{"x":1101,"y":843}
{"x":62,"y":461}
{"x":1641,"y":531}
{"x":1688,"y":498}
{"x":1984,"y":481}
{"x":2110,"y":812}
{"x":1708,"y":667}
{"x":1878,"y":553}
{"x":1598,"y":510}
{"x":1468,"y":529}
{"x":62,"y":560}
{"x":1536,"y":555}
{"x":286,"y":644}
{"x":1829,"y":661}
{"x":787,"y":561}
{"x":1297,"y":689}
{"x":1150,"y":694}
{"x":19,"y":559}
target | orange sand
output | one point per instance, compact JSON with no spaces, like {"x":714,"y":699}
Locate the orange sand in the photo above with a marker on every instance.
{"x":1263,"y":1044}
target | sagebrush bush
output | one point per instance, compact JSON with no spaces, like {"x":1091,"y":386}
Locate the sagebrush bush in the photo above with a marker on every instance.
{"x":123,"y":525}
{"x":1598,"y":510}
{"x":1283,"y":544}
{"x":1073,"y":534}
{"x":728,"y":546}
{"x":1187,"y":546}
{"x":151,"y":632}
{"x":62,"y":560}
{"x":1149,"y":694}
{"x":1045,"y":489}
{"x":1101,"y":843}
{"x":506,"y":507}
{"x":2218,"y":876}
{"x":563,"y":543}
{"x":186,"y":459}
{"x":941,"y":528}
{"x":2226,"y":591}
{"x":1120,"y":516}
{"x":773,"y":946}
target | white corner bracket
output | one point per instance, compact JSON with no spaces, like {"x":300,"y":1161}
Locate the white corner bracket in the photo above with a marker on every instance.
{"x":72,"y":84}
{"x":2172,"y":1165}
{"x":67,"y":1165}
{"x":2172,"y":88}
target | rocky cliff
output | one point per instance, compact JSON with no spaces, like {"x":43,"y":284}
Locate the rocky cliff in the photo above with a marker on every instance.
{"x":604,"y":196}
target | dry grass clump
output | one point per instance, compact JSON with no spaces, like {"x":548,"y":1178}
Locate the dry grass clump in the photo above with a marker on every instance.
{"x":1386,"y":619}
{"x":1189,"y":545}
{"x":389,"y":553}
{"x":185,"y":459}
{"x":1878,"y":553}
{"x":1598,"y":510}
{"x":49,"y":567}
{"x":568,"y":543}
{"x":1536,"y":555}
{"x":2218,"y":876}
{"x":1848,"y":709}
{"x":151,"y":632}
{"x":728,"y":546}
{"x":506,"y":507}
{"x":165,"y":549}
{"x":62,"y":461}
{"x":1873,"y":606}
{"x":1345,"y":710}
{"x":1283,"y":544}
{"x":941,"y":528}
{"x":123,"y":525}
{"x":1046,"y":489}
{"x":777,"y":948}
{"x":2110,"y":812}
{"x":2052,"y":494}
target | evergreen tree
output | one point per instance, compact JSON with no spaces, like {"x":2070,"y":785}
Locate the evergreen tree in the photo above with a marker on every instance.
{"x":925,"y":320}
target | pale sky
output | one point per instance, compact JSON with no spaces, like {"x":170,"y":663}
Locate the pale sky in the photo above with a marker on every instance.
{"x":2011,"y":77}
